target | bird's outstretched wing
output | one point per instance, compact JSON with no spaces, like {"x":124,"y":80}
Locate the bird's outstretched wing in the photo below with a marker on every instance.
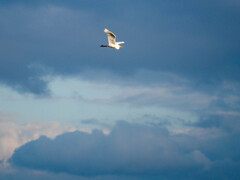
{"x":111,"y":37}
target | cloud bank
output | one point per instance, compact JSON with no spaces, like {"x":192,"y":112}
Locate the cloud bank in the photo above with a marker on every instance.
{"x":14,"y":135}
{"x":135,"y":150}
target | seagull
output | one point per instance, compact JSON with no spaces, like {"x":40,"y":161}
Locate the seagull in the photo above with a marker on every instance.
{"x":112,"y":40}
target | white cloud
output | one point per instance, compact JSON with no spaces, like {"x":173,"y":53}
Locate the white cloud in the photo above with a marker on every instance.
{"x":14,"y":135}
{"x":7,"y":117}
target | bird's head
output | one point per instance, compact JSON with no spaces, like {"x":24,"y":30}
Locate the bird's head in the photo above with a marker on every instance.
{"x":122,"y":46}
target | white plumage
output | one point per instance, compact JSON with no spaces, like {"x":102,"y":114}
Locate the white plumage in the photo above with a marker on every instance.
{"x":112,"y":40}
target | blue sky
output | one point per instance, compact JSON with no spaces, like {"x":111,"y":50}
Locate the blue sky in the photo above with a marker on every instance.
{"x":165,"y":106}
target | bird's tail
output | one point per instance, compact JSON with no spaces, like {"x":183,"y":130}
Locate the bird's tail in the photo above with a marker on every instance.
{"x":120,"y":42}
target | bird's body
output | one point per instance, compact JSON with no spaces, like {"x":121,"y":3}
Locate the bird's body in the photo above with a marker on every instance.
{"x":112,"y":40}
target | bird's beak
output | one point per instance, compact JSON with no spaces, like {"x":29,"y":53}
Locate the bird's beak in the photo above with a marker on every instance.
{"x":122,"y":46}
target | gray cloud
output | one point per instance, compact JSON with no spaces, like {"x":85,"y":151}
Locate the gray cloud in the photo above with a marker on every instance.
{"x":14,"y":135}
{"x":199,"y":41}
{"x":7,"y":173}
{"x":135,"y":150}
{"x":24,"y":174}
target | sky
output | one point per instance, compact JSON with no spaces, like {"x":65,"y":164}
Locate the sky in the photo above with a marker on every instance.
{"x":166,"y":106}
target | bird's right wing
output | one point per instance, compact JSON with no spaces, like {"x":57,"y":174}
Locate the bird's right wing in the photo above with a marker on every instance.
{"x":111,"y":37}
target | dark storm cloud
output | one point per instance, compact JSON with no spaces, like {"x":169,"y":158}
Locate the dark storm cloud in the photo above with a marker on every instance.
{"x":228,"y":122}
{"x":199,"y":41}
{"x":135,"y":150}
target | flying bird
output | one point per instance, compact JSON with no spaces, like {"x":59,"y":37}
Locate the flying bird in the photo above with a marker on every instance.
{"x":112,"y":40}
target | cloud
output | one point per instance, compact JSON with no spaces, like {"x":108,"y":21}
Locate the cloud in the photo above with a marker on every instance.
{"x":187,"y":41}
{"x":7,"y":117}
{"x":14,"y":135}
{"x":133,"y":150}
{"x":23,"y":174}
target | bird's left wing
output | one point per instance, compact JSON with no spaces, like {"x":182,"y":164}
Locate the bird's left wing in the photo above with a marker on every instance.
{"x":111,"y":37}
